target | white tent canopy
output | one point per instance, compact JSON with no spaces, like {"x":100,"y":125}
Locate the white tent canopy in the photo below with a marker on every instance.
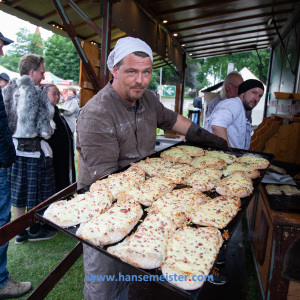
{"x":11,"y":74}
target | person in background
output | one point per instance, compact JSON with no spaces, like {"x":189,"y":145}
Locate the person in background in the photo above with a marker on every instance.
{"x":70,"y":109}
{"x":4,"y":79}
{"x":61,"y":143}
{"x":228,"y":120}
{"x":229,"y":89}
{"x":118,"y":127}
{"x":197,"y":103}
{"x":30,"y":115}
{"x":9,"y":288}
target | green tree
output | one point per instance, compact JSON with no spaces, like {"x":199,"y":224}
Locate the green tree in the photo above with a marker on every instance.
{"x":36,"y":46}
{"x":154,"y":82}
{"x":61,"y":57}
{"x":20,"y":47}
{"x":256,"y":62}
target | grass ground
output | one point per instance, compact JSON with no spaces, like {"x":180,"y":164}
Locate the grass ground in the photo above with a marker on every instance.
{"x":33,"y":261}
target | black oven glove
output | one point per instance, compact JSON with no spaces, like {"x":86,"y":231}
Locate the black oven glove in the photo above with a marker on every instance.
{"x":202,"y":137}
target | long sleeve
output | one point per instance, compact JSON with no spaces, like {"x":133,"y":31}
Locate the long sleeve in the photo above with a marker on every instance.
{"x":7,"y":149}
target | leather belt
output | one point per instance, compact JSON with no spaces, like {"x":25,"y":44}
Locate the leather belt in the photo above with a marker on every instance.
{"x":29,"y":145}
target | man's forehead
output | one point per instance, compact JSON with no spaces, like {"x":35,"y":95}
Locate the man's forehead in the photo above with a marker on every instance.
{"x":132,"y":58}
{"x":42,"y":67}
{"x":257,"y":89}
{"x":1,"y":43}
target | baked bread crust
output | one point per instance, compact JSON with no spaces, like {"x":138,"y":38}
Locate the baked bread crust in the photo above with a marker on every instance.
{"x":235,"y":185}
{"x":254,"y":161}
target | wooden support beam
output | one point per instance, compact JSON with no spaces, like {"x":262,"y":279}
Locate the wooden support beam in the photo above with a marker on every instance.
{"x":73,"y":35}
{"x":54,"y":277}
{"x":105,"y":44}
{"x":11,"y":229}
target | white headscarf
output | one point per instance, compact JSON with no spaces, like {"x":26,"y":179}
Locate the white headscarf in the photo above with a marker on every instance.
{"x":124,"y":47}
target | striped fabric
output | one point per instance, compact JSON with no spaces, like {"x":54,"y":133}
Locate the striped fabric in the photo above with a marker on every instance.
{"x":32,"y":181}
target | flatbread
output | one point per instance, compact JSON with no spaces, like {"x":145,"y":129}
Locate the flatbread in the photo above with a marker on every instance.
{"x":178,"y":204}
{"x":151,"y":166}
{"x":120,"y":182}
{"x":235,"y":185}
{"x":244,"y":169}
{"x":146,"y":248}
{"x":277,"y":169}
{"x":204,"y":179}
{"x":217,"y":212}
{"x":254,"y":161}
{"x":176,"y":155}
{"x":290,"y":190}
{"x":150,"y":190}
{"x":113,"y":225}
{"x":191,"y":252}
{"x":204,"y":162}
{"x":229,"y":158}
{"x":177,"y":173}
{"x":273,"y":189}
{"x":191,"y":150}
{"x":80,"y":209}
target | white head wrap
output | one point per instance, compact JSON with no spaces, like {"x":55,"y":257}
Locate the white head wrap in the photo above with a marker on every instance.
{"x":124,"y":47}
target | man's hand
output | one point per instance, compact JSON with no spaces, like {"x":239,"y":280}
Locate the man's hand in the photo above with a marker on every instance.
{"x":202,"y":137}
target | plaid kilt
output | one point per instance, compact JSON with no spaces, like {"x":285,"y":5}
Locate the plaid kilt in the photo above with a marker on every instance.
{"x":32,"y":181}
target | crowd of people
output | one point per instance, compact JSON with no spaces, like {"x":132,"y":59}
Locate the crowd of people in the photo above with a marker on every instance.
{"x":36,"y":152}
{"x":115,"y":128}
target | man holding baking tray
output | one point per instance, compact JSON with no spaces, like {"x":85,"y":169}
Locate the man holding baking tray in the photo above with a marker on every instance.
{"x":117,"y":127}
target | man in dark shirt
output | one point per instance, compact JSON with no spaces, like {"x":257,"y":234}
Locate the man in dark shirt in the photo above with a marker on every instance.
{"x":197,"y":103}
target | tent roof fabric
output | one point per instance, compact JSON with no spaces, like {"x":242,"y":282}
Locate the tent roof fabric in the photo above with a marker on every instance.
{"x":52,"y":79}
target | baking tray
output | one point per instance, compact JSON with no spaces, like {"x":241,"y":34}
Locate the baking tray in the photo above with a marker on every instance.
{"x":229,"y":229}
{"x":284,"y":202}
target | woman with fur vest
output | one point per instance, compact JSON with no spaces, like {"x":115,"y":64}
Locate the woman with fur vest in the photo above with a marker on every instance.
{"x":30,"y":118}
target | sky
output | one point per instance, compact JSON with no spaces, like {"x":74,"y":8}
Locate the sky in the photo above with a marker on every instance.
{"x":10,"y":25}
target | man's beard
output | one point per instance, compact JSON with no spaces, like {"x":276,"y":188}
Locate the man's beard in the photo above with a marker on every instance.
{"x":134,"y":98}
{"x":246,"y":105}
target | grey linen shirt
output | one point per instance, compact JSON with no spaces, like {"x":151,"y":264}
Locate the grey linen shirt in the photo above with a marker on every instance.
{"x":111,"y":135}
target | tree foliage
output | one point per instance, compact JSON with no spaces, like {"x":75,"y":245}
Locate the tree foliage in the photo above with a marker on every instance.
{"x":256,"y":62}
{"x":62,"y":58}
{"x":26,"y":43}
{"x":197,"y":71}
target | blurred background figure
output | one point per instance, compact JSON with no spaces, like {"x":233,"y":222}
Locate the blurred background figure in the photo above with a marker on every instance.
{"x":70,"y":108}
{"x":61,"y":143}
{"x":229,"y":89}
{"x":197,"y":103}
{"x":4,"y":79}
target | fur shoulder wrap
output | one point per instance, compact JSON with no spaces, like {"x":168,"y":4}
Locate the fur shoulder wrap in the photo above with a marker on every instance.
{"x":29,"y":110}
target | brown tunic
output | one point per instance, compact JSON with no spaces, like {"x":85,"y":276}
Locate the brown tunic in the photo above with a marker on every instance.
{"x":110,"y":135}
